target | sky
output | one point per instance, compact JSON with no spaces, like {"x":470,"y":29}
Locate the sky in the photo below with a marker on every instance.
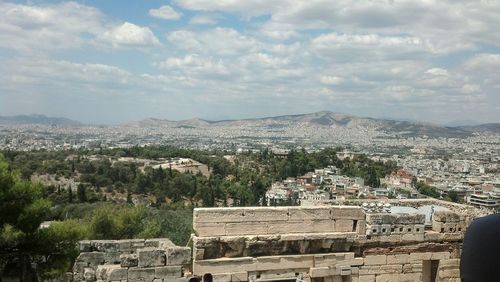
{"x":116,"y":61}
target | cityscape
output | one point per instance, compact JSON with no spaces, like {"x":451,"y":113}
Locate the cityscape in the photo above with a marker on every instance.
{"x":249,"y":141}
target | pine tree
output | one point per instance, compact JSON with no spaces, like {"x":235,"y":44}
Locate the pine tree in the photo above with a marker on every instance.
{"x":81,"y":193}
{"x":70,"y":194}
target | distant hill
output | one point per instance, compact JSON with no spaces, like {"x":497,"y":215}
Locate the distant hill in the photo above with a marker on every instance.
{"x":38,"y":119}
{"x":326,"y":120}
{"x":487,"y":127}
{"x":460,"y":123}
{"x":322,"y":121}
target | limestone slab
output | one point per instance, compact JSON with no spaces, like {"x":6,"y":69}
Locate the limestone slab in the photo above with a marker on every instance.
{"x":375,"y":260}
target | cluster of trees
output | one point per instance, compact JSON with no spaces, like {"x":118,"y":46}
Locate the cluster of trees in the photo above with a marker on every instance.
{"x":371,"y":171}
{"x":433,"y":192}
{"x":242,"y":182}
{"x":299,"y":162}
{"x":24,"y":242}
{"x":84,"y":212}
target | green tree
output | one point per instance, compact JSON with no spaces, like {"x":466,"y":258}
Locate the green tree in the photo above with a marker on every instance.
{"x":81,"y":193}
{"x":70,"y":194}
{"x":22,"y":240}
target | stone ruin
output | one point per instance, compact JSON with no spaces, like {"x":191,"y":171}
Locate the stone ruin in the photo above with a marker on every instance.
{"x":157,"y":260}
{"x":314,"y":244}
{"x":336,"y":243}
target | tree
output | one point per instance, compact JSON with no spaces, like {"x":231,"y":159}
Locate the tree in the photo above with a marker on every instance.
{"x":80,"y":192}
{"x":22,"y":240}
{"x":70,"y":194}
{"x":453,"y":196}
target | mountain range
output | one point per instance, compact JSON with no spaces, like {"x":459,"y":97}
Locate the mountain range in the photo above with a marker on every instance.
{"x":322,"y":120}
{"x":38,"y":119}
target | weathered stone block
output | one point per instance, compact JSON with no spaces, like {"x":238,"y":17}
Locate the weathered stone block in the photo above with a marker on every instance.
{"x":380,"y":269}
{"x":347,"y":212}
{"x":388,"y":278}
{"x":375,"y":260}
{"x":166,"y":272}
{"x":344,"y":225}
{"x":198,"y":254}
{"x":366,"y":278}
{"x":449,"y":273}
{"x":141,"y":274}
{"x":178,"y":256}
{"x":419,"y":257}
{"x":204,"y":229}
{"x":398,"y":259}
{"x":329,"y":260}
{"x":412,"y":268}
{"x":445,"y":216}
{"x":161,"y":243}
{"x":412,"y":237}
{"x":243,"y":264}
{"x":79,"y":266}
{"x":129,"y":260}
{"x":440,"y":256}
{"x":239,"y":276}
{"x":84,"y":246}
{"x":112,"y":257}
{"x":111,"y":273}
{"x":247,"y":228}
{"x":106,"y":245}
{"x":222,"y":277}
{"x":432,"y":236}
{"x":149,"y":257}
{"x":449,"y":262}
{"x":225,"y":215}
{"x":128,"y":246}
{"x":284,"y":262}
{"x":309,"y":213}
{"x":393,"y":238}
{"x":321,"y":272}
{"x":361,"y":227}
{"x":351,"y":262}
{"x":92,"y":258}
{"x":89,"y":274}
{"x":453,"y":236}
{"x":322,"y":226}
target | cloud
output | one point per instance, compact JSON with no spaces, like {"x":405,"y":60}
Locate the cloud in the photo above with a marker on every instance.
{"x":421,"y":58}
{"x":437,"y":72}
{"x":193,"y":64}
{"x":331,"y":80}
{"x":30,"y":28}
{"x":448,"y":25}
{"x":279,"y":31}
{"x":217,"y":41}
{"x":203,"y":20}
{"x":130,"y":35}
{"x":165,"y":12}
{"x":245,"y":8}
{"x":58,"y":71}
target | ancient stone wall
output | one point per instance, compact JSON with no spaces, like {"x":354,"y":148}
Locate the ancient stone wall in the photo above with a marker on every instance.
{"x":339,"y":243}
{"x":313,"y":244}
{"x":156,"y":260}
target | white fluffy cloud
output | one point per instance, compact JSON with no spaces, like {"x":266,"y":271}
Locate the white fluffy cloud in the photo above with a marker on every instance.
{"x":420,"y":59}
{"x":165,"y":12}
{"x":30,"y":28}
{"x":203,"y":20}
{"x":129,"y":34}
{"x":217,"y":41}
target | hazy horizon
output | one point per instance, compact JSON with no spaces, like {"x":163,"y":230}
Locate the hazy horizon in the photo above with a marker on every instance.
{"x":110,"y":62}
{"x":453,"y":123}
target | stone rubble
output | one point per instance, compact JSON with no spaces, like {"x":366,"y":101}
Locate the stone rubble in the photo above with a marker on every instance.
{"x":156,"y":260}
